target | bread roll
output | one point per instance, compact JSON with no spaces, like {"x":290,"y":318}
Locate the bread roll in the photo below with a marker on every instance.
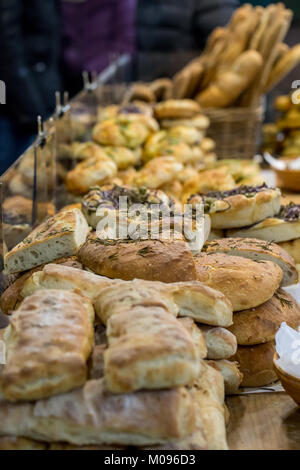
{"x":256,"y":364}
{"x":176,"y":109}
{"x":230,"y":373}
{"x":259,"y":325}
{"x":221,"y":343}
{"x":59,"y":236}
{"x":257,"y":250}
{"x":89,"y":173}
{"x":244,"y":282}
{"x":48,"y":342}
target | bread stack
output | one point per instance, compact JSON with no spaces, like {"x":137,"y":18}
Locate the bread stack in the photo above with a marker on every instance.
{"x":255,"y":327}
{"x":139,"y":380}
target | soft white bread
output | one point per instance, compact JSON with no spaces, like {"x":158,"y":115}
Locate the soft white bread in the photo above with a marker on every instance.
{"x":202,"y":303}
{"x":91,"y":415}
{"x":241,"y":206}
{"x":257,"y":250}
{"x":221,"y":343}
{"x":48,"y":342}
{"x":61,"y":235}
{"x":243,"y":281}
{"x":256,"y":364}
{"x":230,"y":373}
{"x":259,"y":325}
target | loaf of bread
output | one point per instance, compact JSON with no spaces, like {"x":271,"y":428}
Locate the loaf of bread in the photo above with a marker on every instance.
{"x":48,"y":342}
{"x":59,"y":236}
{"x":257,"y":250}
{"x":230,"y":373}
{"x":221,"y":343}
{"x":292,"y":247}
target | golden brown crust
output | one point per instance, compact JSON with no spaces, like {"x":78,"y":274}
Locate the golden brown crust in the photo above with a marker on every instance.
{"x":259,"y":325}
{"x":12,"y":296}
{"x":48,"y":342}
{"x":244,"y":282}
{"x":256,"y":364}
{"x":258,"y":250}
{"x":292,"y":247}
{"x":176,"y":109}
{"x":154,"y":260}
{"x":221,"y":343}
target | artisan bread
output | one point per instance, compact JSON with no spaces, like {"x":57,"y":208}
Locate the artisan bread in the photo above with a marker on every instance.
{"x":292,"y":247}
{"x":196,"y":334}
{"x":148,"y":349}
{"x":89,"y":173}
{"x":284,"y":227}
{"x":230,"y":373}
{"x":257,"y":250}
{"x":203,"y":304}
{"x":256,"y":364}
{"x":221,"y":343}
{"x":12,"y":296}
{"x":59,"y":236}
{"x":260,"y":324}
{"x":20,"y":443}
{"x":176,"y":109}
{"x":48,"y":342}
{"x":243,"y":281}
{"x":144,"y":259}
{"x":98,"y":417}
{"x":239,"y":207}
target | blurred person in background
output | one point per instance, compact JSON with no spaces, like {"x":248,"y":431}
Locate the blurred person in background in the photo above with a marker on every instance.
{"x":29,"y":66}
{"x":162,"y":35}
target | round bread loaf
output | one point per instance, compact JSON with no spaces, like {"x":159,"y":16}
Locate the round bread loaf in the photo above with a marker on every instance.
{"x":246,"y":283}
{"x":259,"y":325}
{"x":257,"y":250}
{"x":153,"y":260}
{"x":256,"y":364}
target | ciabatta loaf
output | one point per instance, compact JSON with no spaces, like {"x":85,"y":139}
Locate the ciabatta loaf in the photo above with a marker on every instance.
{"x":61,"y":235}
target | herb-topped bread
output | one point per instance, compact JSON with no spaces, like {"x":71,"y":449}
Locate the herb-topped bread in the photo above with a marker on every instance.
{"x":61,"y":235}
{"x":239,"y":207}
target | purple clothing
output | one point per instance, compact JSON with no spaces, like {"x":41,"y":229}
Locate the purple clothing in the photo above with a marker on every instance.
{"x":94,"y":29}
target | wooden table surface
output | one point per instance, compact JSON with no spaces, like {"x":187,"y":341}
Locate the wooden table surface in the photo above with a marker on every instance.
{"x":265,"y":421}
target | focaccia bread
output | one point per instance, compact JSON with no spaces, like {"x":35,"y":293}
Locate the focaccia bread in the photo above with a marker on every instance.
{"x":284,"y":227}
{"x":256,"y":364}
{"x":230,"y":373}
{"x":48,"y":342}
{"x":91,"y":415}
{"x":257,"y":250}
{"x":202,"y":303}
{"x":241,"y":206}
{"x":259,"y":325}
{"x":12,"y":296}
{"x":59,"y":236}
{"x":148,"y":349}
{"x":243,"y":281}
{"x":221,"y":343}
{"x":154,"y":260}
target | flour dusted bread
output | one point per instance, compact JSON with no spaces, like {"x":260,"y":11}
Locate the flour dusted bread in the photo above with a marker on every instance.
{"x":91,"y":415}
{"x":259,"y":325}
{"x":244,"y":282}
{"x":256,"y":364}
{"x":221,"y":343}
{"x":257,"y":250}
{"x":48,"y":342}
{"x":59,"y":236}
{"x":144,"y":259}
{"x":241,"y":206}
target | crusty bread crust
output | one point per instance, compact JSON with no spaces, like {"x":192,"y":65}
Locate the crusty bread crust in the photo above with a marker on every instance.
{"x":292,"y":247}
{"x":154,"y":260}
{"x":259,"y":325}
{"x":256,"y":364}
{"x":244,"y":282}
{"x":271,"y":229}
{"x":176,"y":109}
{"x":221,"y":343}
{"x":258,"y":250}
{"x":230,"y":373}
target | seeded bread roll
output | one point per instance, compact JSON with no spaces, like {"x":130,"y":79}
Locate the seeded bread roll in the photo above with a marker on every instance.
{"x":259,"y":325}
{"x":59,"y":236}
{"x":256,"y":364}
{"x":244,"y":282}
{"x":257,"y":250}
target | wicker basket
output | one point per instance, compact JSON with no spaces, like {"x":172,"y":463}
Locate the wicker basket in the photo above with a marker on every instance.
{"x":236,"y":131}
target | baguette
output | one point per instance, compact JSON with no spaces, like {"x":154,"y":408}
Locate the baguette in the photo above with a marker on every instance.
{"x":283,"y":66}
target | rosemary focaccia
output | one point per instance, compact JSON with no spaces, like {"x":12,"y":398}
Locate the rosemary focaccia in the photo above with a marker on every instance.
{"x":48,"y":342}
{"x":59,"y":236}
{"x":257,"y":250}
{"x":239,"y":207}
{"x":260,"y":324}
{"x":283,"y":226}
{"x":246,"y":283}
